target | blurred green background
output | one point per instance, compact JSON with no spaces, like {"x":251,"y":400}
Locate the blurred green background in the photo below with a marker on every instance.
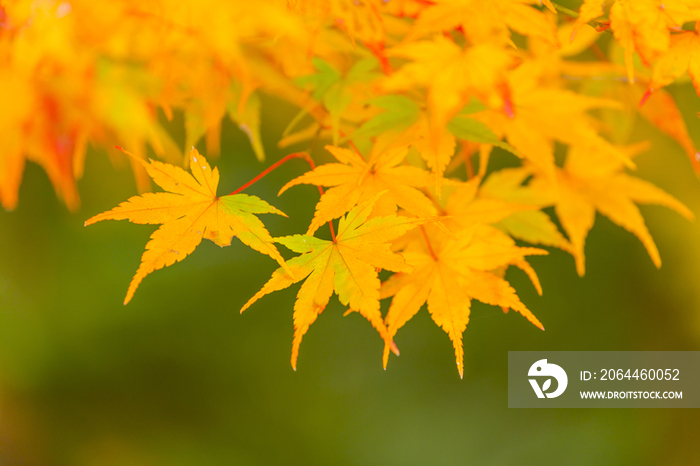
{"x":179,"y":377}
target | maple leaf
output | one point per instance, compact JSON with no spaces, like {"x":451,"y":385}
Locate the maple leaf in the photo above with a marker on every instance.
{"x":469,"y":206}
{"x":543,"y":115}
{"x":333,"y":89}
{"x":465,"y":209}
{"x":591,"y":182}
{"x":399,"y":113}
{"x":469,"y":129}
{"x":246,"y":112}
{"x":404,"y":124}
{"x":360,"y":19}
{"x":15,"y":92}
{"x":348,"y":265}
{"x":662,"y":112}
{"x":100,"y":74}
{"x":682,"y":57}
{"x":487,"y":21}
{"x":435,"y":144}
{"x":590,"y":10}
{"x":643,"y":97}
{"x":190,"y":210}
{"x":452,"y":74}
{"x":533,"y":226}
{"x":448,"y":273}
{"x":356,"y":180}
{"x":645,"y":26}
{"x":203,"y":117}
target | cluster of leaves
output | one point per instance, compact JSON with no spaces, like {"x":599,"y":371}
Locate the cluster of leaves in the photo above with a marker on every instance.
{"x":409,"y":93}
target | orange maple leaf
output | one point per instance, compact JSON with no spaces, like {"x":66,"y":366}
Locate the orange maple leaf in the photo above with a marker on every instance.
{"x":189,"y":211}
{"x":450,"y":273}
{"x":356,"y":180}
{"x":661,"y":111}
{"x":348,"y":265}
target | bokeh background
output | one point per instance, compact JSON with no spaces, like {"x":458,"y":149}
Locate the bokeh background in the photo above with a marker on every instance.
{"x":179,"y":377}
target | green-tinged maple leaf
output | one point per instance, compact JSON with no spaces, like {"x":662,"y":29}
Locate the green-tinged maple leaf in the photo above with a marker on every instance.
{"x":533,"y":226}
{"x":465,"y":209}
{"x":448,"y":273}
{"x":355,"y":180}
{"x":469,"y":129}
{"x":331,"y":88}
{"x":319,"y":82}
{"x":347,"y":266}
{"x":404,"y":124}
{"x":399,"y":113}
{"x":189,"y":211}
{"x":590,"y":183}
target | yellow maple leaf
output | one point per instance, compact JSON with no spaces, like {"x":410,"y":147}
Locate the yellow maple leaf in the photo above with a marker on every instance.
{"x":435,"y":144}
{"x":360,"y":19}
{"x":348,"y":265}
{"x":544,"y":115}
{"x":643,"y":97}
{"x":355,"y":180}
{"x":531,"y":225}
{"x":466,"y":209}
{"x":487,"y":21}
{"x":683,"y":57}
{"x":448,"y":273}
{"x":452,"y":74}
{"x":190,"y":210}
{"x":589,"y":183}
{"x":645,"y":26}
{"x":590,"y":10}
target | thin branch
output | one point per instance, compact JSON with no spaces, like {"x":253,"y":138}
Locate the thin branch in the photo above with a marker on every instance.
{"x":296,"y":155}
{"x":565,"y":10}
{"x":598,"y":25}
